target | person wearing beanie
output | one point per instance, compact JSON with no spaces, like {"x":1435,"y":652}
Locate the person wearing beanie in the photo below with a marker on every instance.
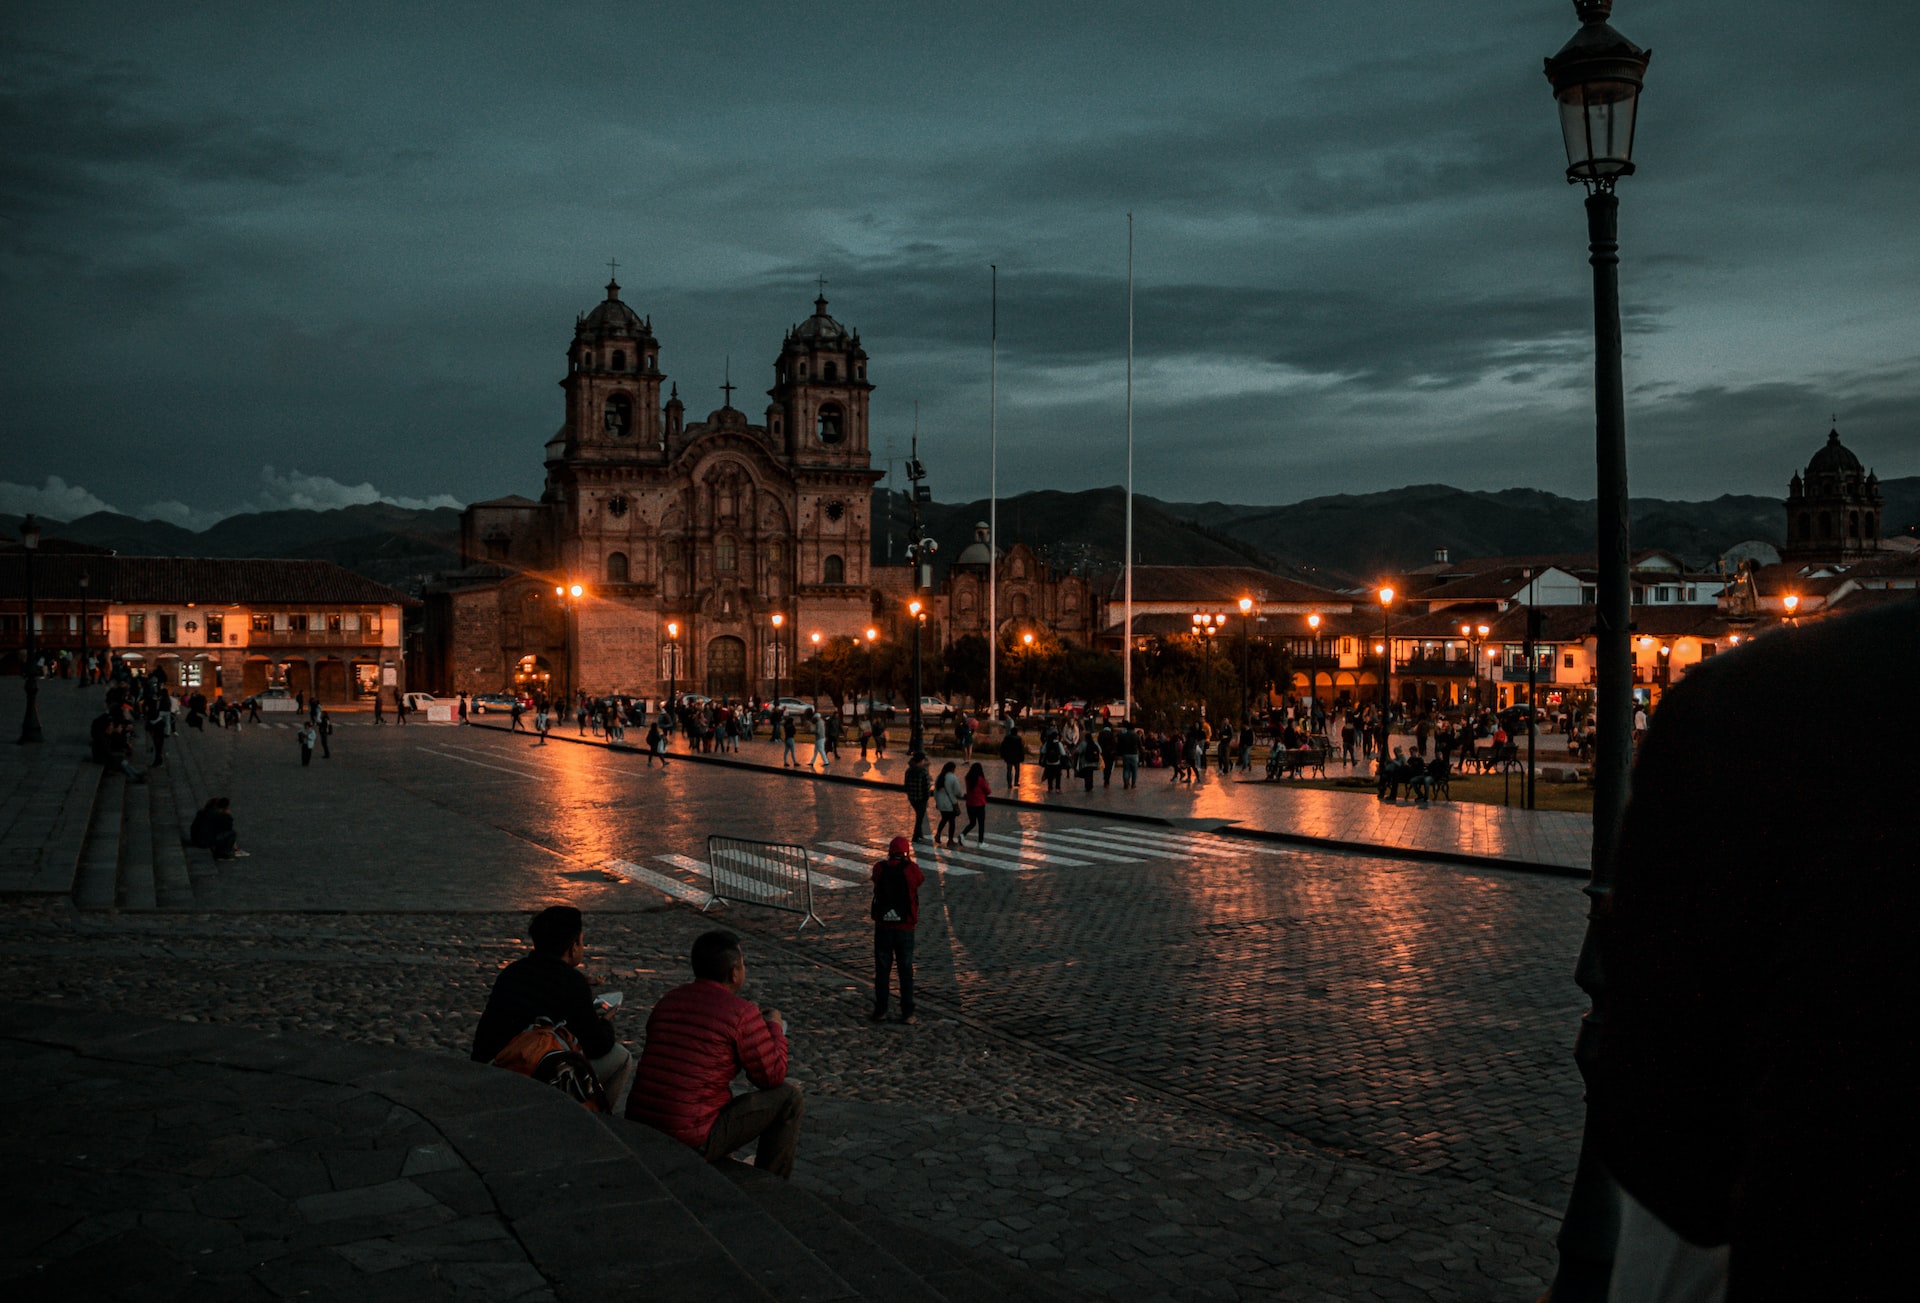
{"x":896,"y":912}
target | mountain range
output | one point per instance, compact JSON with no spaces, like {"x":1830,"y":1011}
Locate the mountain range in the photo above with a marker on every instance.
{"x":1341,"y":540}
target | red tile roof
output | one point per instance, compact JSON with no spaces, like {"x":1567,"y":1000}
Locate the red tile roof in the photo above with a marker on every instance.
{"x":1217,"y":585}
{"x":212,"y":581}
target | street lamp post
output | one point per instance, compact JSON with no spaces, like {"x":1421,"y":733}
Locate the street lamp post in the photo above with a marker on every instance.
{"x":85,"y":581}
{"x":777,"y":620}
{"x":568,"y":593}
{"x":815,"y":637}
{"x":916,"y":735}
{"x":1792,"y":602}
{"x":1313,"y":670}
{"x":30,"y":715}
{"x":1596,"y":79}
{"x":1386,"y":671}
{"x":871,"y":635}
{"x":673,"y":663}
{"x":1246,"y":656}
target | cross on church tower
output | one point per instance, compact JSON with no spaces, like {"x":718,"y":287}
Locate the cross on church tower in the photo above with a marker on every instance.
{"x":822,"y":282}
{"x":613,"y":268}
{"x":729,"y":386}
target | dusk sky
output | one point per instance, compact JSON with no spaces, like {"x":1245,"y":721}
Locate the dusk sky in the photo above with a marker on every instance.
{"x":267,"y":255}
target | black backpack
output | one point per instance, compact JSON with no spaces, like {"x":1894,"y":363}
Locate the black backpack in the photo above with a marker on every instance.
{"x":892,"y":897}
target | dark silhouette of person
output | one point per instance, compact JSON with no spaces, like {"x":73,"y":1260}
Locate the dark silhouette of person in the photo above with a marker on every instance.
{"x":1749,"y":1084}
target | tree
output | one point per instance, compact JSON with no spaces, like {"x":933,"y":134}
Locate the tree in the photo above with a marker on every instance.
{"x":964,"y":673}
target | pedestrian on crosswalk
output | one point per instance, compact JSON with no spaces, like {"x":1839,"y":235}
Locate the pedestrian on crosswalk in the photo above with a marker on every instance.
{"x":976,"y":801}
{"x":919,"y":785}
{"x":948,"y":796}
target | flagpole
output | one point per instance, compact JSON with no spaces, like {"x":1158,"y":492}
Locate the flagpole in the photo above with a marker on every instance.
{"x":1126,"y":633}
{"x":993,"y":503}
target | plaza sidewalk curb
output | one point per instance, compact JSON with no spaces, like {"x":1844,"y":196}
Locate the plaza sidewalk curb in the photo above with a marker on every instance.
{"x":1424,"y":854}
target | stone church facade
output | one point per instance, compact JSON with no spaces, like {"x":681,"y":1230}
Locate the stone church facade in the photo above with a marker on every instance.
{"x":684,"y":538}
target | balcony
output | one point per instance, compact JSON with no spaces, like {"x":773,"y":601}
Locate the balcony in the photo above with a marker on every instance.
{"x":1437,"y":667}
{"x":313,"y":638}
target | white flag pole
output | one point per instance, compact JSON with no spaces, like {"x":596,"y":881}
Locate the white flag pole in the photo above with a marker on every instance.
{"x":1126,"y":629}
{"x":993,"y":504}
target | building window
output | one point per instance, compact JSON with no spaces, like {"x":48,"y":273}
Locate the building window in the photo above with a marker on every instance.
{"x":216,"y":627}
{"x":586,"y":360}
{"x":726,"y":555}
{"x":832,"y":428}
{"x":1566,"y":661}
{"x":371,"y":622}
{"x":1589,"y":594}
{"x":616,"y":567}
{"x":297,"y":622}
{"x":833,"y":571}
{"x":619,"y":416}
{"x":262,"y":622}
{"x":136,"y":627}
{"x":350,"y":621}
{"x":831,"y":373}
{"x":619,"y":359}
{"x":334,"y":623}
{"x":169,"y":627}
{"x":1663,"y":594}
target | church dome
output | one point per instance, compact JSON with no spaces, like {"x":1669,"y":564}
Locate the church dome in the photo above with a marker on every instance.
{"x":820,"y":327}
{"x":977,"y":552}
{"x":1833,"y":458}
{"x":611,"y":317}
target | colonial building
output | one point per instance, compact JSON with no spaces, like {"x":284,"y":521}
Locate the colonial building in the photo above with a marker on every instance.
{"x":684,"y":540}
{"x":219,"y":625}
{"x":1028,"y":596}
{"x":1833,"y":510}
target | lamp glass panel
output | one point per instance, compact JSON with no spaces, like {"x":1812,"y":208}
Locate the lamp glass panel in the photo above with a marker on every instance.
{"x":1597,"y":120}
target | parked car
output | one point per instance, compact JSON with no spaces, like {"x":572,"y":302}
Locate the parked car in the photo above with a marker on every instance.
{"x":857,"y":708}
{"x":792,"y":706}
{"x":421,"y":700}
{"x":481,"y":703}
{"x":935,"y":706}
{"x":1514,"y":719}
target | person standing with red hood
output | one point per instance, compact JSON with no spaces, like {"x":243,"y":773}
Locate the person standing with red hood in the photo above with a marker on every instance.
{"x":896,"y":912}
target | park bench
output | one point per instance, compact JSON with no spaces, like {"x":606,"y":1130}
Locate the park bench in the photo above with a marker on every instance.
{"x":1501,"y":758}
{"x":1294,"y":762}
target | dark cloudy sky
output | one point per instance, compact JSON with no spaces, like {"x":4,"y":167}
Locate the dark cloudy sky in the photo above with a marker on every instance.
{"x":268,"y":254}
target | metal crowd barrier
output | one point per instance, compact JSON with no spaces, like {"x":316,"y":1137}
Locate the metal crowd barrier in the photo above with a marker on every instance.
{"x":777,"y":875}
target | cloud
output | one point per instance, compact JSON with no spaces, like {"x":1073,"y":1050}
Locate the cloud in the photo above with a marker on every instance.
{"x":297,"y":492}
{"x":54,"y":500}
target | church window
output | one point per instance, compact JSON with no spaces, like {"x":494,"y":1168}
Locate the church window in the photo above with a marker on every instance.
{"x":833,"y":571}
{"x":832,"y":427}
{"x":803,"y":369}
{"x":832,"y":373}
{"x":619,"y":416}
{"x":726,"y":554}
{"x":1019,"y":604}
{"x":1853,"y":523}
{"x":616,"y":567}
{"x":586,"y":360}
{"x":966,"y":599}
{"x":836,"y":509}
{"x":860,"y":371}
{"x":619,"y":359}
{"x":726,"y":499}
{"x":776,"y":425}
{"x":1069,"y":601}
{"x":617,"y":505}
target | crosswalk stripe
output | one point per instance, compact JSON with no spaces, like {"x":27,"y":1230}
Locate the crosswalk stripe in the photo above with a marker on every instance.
{"x":1190,"y":843}
{"x":998,"y":842}
{"x":1046,"y":839}
{"x":660,"y":882}
{"x":726,"y":877}
{"x":866,"y":870}
{"x":991,"y":861}
{"x":748,"y":858}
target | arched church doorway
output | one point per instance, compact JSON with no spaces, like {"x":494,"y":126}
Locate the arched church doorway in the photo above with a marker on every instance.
{"x":726,"y":668}
{"x":532,"y":674}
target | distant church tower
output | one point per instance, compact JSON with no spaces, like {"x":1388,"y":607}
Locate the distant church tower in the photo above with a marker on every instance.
{"x":1833,"y":510}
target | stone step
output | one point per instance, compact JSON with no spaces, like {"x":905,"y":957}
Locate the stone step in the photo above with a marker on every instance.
{"x":43,"y":820}
{"x":173,"y":884}
{"x":961,"y":1274}
{"x":95,"y":883}
{"x":135,"y":889}
{"x":780,"y":1263}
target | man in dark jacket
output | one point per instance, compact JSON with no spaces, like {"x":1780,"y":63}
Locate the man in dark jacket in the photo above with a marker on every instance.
{"x":896,"y":913}
{"x":1746,"y":1086}
{"x":919,"y":785}
{"x":699,"y":1038}
{"x":549,"y":984}
{"x":1013,"y":751}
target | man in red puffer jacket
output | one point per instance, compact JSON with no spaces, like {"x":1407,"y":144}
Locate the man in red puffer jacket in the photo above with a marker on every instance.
{"x":699,"y":1038}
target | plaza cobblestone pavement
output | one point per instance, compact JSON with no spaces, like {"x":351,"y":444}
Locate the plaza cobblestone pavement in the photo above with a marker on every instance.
{"x":1160,"y":1063}
{"x":1552,"y":840}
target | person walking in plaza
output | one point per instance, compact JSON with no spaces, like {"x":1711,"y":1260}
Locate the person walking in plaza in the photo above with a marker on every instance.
{"x":895,"y":912}
{"x":1013,"y":753}
{"x":305,"y":735}
{"x":514,"y":712}
{"x":157,"y":724}
{"x":1109,"y":743}
{"x":976,"y":796}
{"x":702,"y":1035}
{"x":1128,"y":744}
{"x":324,"y":730}
{"x":963,"y":737}
{"x":380,"y":710}
{"x":253,"y":710}
{"x":919,"y":785}
{"x":833,"y":737}
{"x":786,"y":729}
{"x":400,"y":707}
{"x":1087,"y":759}
{"x":542,"y":720}
{"x":463,"y":708}
{"x":1053,"y":758}
{"x":948,"y":796}
{"x":656,"y":744}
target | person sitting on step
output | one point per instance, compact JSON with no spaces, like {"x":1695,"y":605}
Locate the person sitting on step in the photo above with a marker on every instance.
{"x":701,"y":1036}
{"x":549,"y":984}
{"x":213,"y":830}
